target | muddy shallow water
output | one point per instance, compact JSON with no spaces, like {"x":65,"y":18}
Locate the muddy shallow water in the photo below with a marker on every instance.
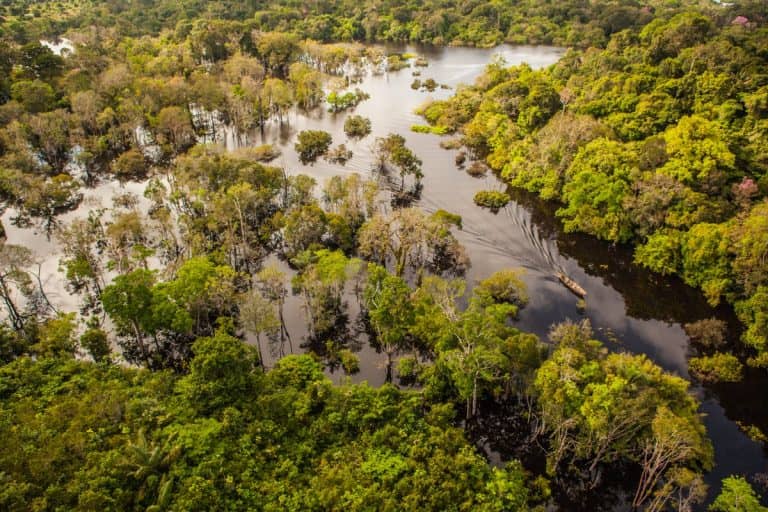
{"x":644,"y":312}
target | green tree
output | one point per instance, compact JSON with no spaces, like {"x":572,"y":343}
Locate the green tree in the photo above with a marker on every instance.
{"x":312,"y":144}
{"x":321,"y":282}
{"x":56,"y":337}
{"x":705,"y":260}
{"x":130,"y":165}
{"x":222,"y":373}
{"x":277,"y":98}
{"x":149,"y":467}
{"x":128,"y":301}
{"x":14,"y":276}
{"x":34,"y":95}
{"x":257,"y":314}
{"x":95,"y":341}
{"x":391,"y":150}
{"x":737,"y":496}
{"x":504,"y":286}
{"x":50,"y":135}
{"x":276,"y":50}
{"x":388,"y":305}
{"x":604,"y":407}
{"x":272,"y":283}
{"x":81,"y":260}
{"x":598,"y":183}
{"x":753,"y":312}
{"x":307,"y":85}
{"x":698,"y":155}
{"x":357,"y":127}
{"x":174,"y":129}
{"x":12,"y":344}
{"x":719,"y":367}
{"x":749,"y":243}
{"x":412,"y":240}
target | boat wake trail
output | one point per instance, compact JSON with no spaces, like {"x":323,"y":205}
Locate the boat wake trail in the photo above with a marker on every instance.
{"x":519,"y":217}
{"x":510,"y":233}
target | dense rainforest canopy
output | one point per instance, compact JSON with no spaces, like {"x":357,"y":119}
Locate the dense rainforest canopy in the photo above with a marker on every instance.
{"x":158,"y":392}
{"x":471,"y":22}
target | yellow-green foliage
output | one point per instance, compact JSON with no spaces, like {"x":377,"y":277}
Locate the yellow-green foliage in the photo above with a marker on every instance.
{"x":718,"y":367}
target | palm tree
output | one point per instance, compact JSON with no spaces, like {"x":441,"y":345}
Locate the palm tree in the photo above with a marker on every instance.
{"x":148,"y":464}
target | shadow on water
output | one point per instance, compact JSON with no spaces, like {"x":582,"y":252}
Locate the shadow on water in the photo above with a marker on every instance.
{"x":647,"y":296}
{"x":502,"y":433}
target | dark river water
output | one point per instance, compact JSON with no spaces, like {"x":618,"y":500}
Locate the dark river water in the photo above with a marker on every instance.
{"x":629,"y":308}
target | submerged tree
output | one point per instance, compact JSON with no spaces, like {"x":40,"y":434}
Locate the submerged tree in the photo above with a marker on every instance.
{"x":357,"y":127}
{"x":258,"y":316}
{"x":15,"y":279}
{"x":321,"y":282}
{"x":391,"y":150}
{"x":388,"y":306}
{"x":158,"y":321}
{"x":272,"y":283}
{"x":312,"y":144}
{"x":411,"y":240}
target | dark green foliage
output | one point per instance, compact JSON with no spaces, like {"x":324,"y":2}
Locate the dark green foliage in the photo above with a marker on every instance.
{"x":78,"y":435}
{"x":94,"y":340}
{"x":157,"y":321}
{"x":222,"y":373}
{"x":312,"y":144}
{"x":12,"y":344}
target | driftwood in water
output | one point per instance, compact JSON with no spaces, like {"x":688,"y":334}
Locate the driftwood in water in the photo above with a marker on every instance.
{"x":571,"y":285}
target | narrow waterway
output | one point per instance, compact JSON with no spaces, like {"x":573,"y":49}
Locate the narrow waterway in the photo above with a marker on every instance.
{"x":629,"y":308}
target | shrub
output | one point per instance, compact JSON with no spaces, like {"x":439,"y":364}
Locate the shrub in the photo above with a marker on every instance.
{"x":492,"y":199}
{"x":719,"y":367}
{"x":312,"y":144}
{"x":423,"y":128}
{"x":477,"y":169}
{"x":357,"y":127}
{"x":709,"y":332}
{"x":339,"y":155}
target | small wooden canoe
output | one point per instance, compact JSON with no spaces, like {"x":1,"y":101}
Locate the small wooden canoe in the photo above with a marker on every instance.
{"x":571,"y":285}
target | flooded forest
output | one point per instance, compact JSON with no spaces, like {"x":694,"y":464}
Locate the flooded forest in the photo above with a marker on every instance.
{"x":384,"y":255}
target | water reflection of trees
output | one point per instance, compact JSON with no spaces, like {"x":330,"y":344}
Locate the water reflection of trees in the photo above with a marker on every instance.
{"x":647,"y":296}
{"x":503,"y":433}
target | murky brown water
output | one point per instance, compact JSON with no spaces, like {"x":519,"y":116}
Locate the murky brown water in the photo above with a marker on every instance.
{"x":642,"y":310}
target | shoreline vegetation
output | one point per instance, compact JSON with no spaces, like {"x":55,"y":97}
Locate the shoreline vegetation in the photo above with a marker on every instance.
{"x":638,"y":145}
{"x":650,"y":130}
